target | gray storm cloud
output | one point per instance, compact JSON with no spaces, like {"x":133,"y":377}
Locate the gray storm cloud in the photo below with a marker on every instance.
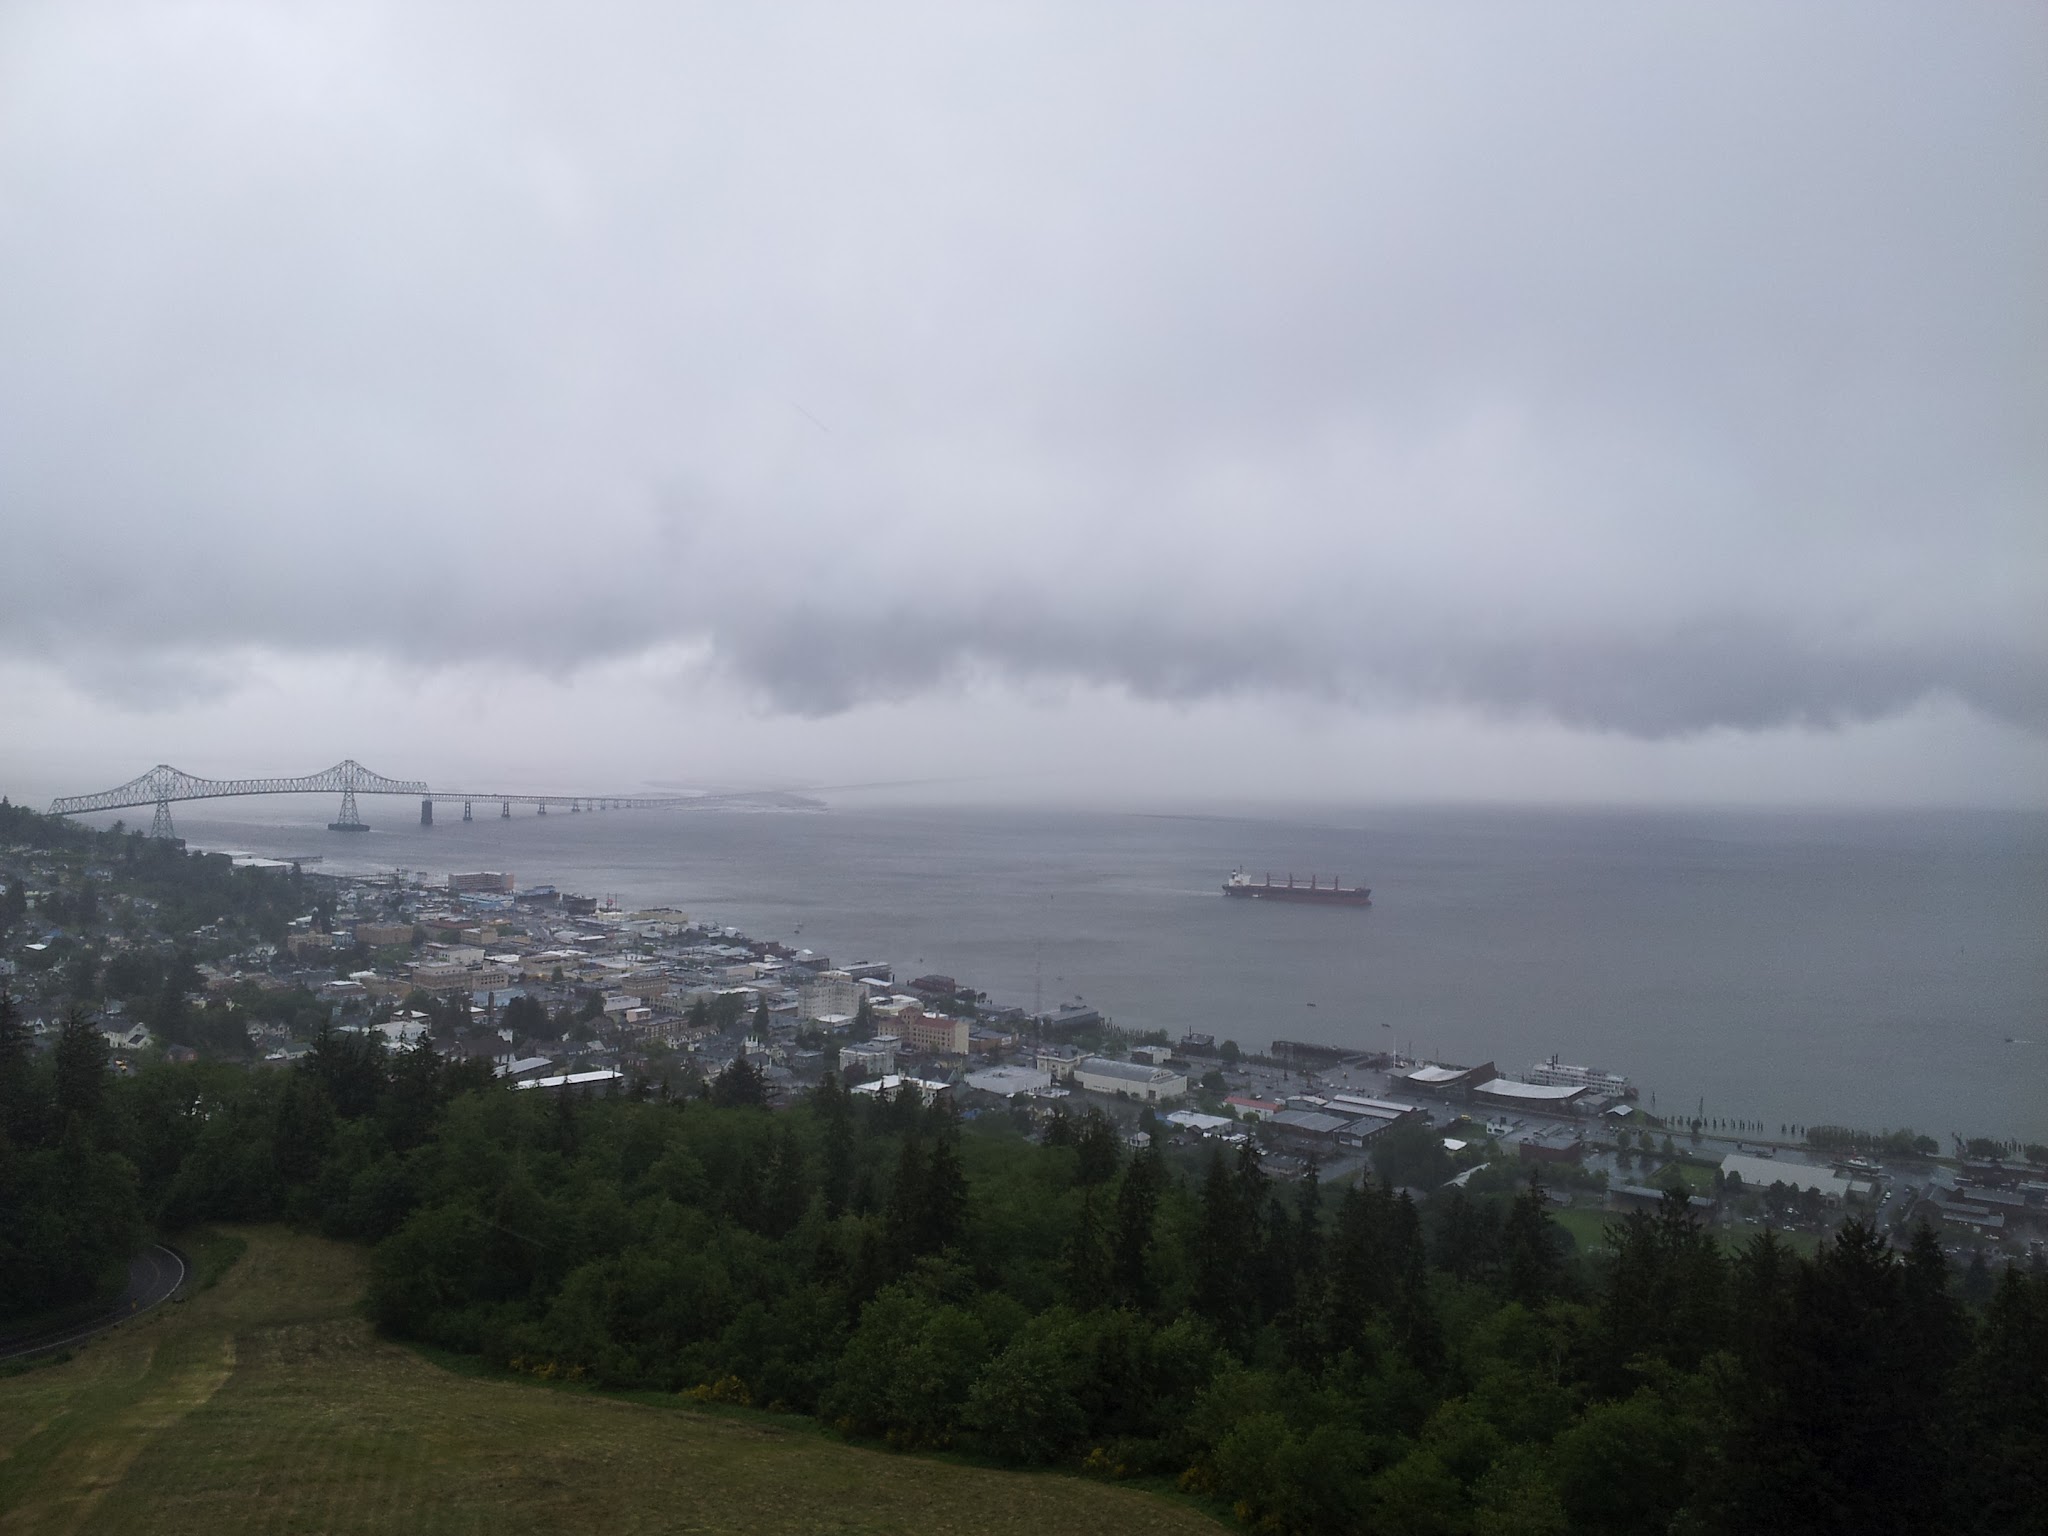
{"x":1651,"y":372}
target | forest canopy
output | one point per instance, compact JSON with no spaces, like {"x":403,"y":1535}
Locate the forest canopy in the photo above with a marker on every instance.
{"x":1312,"y":1359}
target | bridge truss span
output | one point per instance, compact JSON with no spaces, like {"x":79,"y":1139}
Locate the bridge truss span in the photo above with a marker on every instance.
{"x":164,"y":784}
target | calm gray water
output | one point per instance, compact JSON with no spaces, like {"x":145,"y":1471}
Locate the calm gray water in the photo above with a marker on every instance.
{"x":1879,"y":970}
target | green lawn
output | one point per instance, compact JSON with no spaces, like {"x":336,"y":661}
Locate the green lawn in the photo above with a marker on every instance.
{"x":1806,"y":1244}
{"x":1694,"y":1176}
{"x":1587,"y":1227}
{"x":264,"y":1403}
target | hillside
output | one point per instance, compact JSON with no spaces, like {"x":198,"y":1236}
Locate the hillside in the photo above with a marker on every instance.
{"x":266,"y":1403}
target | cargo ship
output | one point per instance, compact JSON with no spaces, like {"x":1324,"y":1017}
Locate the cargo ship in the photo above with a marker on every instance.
{"x":1334,"y":894}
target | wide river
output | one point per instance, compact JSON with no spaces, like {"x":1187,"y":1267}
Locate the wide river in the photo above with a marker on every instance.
{"x":1872,"y":969}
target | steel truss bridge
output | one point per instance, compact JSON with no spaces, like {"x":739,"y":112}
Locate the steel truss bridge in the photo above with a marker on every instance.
{"x":348,"y":778}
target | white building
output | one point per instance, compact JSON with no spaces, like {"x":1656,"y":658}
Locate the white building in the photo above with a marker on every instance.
{"x":892,"y":1085}
{"x":1099,"y":1074}
{"x":831,"y":994}
{"x":1008,"y":1082}
{"x":877,"y":1058}
{"x":591,"y":1080}
{"x":1552,"y":1097}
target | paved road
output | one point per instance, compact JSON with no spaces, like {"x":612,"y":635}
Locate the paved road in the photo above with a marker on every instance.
{"x":154,"y":1276}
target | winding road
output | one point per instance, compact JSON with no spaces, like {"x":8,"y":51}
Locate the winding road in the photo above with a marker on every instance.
{"x":154,"y":1276}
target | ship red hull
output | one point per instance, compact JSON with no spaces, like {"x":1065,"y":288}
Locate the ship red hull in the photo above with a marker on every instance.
{"x":1323,"y":896}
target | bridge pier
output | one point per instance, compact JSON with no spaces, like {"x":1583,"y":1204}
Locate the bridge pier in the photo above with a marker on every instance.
{"x":543,"y":809}
{"x":426,"y":813}
{"x":160,"y":826}
{"x":467,"y":813}
{"x":351,"y":819}
{"x":506,"y":813}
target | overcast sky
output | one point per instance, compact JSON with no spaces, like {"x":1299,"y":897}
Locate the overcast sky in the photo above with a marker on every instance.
{"x":1551,"y":402}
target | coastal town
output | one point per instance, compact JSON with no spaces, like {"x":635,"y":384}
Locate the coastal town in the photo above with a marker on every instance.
{"x":564,"y":993}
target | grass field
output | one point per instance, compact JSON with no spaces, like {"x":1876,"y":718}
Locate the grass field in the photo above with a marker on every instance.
{"x":1587,"y":1227}
{"x":264,"y":1403}
{"x":1697,"y":1177}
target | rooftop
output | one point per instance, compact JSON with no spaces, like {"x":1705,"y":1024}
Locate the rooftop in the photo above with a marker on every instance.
{"x":1007,"y":1081}
{"x":1353,"y":1102}
{"x":1310,"y":1122}
{"x":1126,"y":1071}
{"x":573,"y":1079}
{"x":1436,"y":1074}
{"x":1530,"y":1093}
{"x":1763,"y":1172}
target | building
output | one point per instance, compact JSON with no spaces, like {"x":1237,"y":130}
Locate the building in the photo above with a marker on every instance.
{"x":890,"y":1086}
{"x":647,"y":983}
{"x":875,"y":1059}
{"x":1359,"y":1104}
{"x":1607,"y":1084}
{"x":921,"y":1031}
{"x":1358,"y":1132}
{"x":126,"y":1037}
{"x":1099,"y":1074}
{"x":1551,"y":1144}
{"x":1008,"y":1082}
{"x":383,"y":935}
{"x":1762,"y":1172}
{"x":482,"y":880}
{"x":1445,"y":1082}
{"x":460,"y":978}
{"x":1308,"y":1128}
{"x":1544,"y":1098}
{"x":1974,"y":1219}
{"x":589,"y":1081}
{"x":1059,"y":1060}
{"x":830,"y":994}
{"x":1069,"y":1018}
{"x":1640,"y":1197}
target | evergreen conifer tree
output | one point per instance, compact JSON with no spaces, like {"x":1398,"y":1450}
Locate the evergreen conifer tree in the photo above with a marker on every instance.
{"x":81,"y":1061}
{"x":943,"y":1222}
{"x":1085,"y":1263}
{"x":1224,"y":1244}
{"x":1532,"y":1254}
{"x":16,"y":1090}
{"x":1137,"y":1206}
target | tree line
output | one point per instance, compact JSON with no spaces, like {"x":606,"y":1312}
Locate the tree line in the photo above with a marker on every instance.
{"x":1313,"y":1359}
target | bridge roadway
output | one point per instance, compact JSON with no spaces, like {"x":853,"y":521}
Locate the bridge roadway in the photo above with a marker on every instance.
{"x":163,"y":785}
